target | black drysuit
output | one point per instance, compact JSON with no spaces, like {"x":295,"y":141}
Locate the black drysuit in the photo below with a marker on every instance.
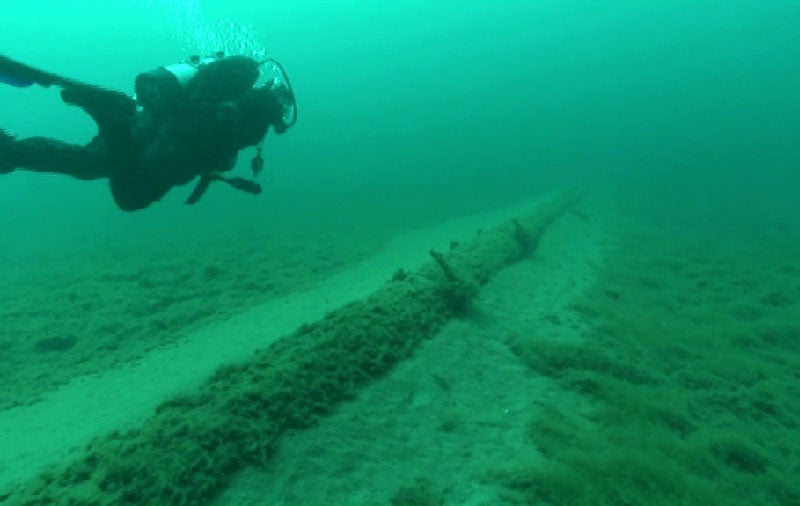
{"x":145,"y":151}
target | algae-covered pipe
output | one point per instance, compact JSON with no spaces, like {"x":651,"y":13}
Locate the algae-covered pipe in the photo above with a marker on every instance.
{"x":189,"y":449}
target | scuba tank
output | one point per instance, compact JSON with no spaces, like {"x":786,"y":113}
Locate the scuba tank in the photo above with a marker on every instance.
{"x":208,"y":80}
{"x":212,"y":80}
{"x":161,"y":89}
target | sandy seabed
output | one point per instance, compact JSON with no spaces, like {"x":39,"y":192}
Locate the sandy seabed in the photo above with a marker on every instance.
{"x":620,"y":363}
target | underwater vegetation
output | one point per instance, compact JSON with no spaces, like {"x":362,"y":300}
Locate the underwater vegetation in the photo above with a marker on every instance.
{"x":684,"y":391}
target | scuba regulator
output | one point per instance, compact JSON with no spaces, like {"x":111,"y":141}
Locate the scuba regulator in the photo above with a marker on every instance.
{"x":278,"y":80}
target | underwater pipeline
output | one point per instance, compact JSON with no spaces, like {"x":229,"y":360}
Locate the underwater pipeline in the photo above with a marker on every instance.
{"x":190,"y":448}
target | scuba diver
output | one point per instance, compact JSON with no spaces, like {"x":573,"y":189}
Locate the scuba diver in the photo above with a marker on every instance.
{"x":186,"y":121}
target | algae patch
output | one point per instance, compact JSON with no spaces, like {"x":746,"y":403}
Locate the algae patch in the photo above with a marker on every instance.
{"x":684,"y":390}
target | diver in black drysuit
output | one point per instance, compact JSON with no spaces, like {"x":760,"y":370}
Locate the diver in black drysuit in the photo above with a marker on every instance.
{"x":167,"y":137}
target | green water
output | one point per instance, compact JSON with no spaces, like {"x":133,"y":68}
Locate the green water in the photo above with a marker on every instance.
{"x":430,"y":107}
{"x":413,"y":112}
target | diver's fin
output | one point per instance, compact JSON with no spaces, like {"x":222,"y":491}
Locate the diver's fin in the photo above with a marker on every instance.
{"x":6,"y":148}
{"x":5,"y":137}
{"x":21,"y":75}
